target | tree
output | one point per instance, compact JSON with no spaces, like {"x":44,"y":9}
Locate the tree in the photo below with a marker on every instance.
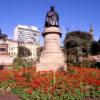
{"x":99,"y":41}
{"x":95,"y":50}
{"x":21,"y":60}
{"x":77,"y":44}
{"x":23,"y":52}
{"x":95,"y":47}
{"x":39,"y":50}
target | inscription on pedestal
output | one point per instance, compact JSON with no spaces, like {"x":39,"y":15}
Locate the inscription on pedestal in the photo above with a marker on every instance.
{"x":51,"y":40}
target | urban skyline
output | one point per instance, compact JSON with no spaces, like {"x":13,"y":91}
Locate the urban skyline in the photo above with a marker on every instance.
{"x":26,"y":34}
{"x":78,"y":14}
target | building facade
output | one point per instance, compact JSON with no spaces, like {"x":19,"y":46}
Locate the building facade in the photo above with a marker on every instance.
{"x":13,"y":48}
{"x":32,"y":47}
{"x":24,"y":33}
{"x":5,"y":58}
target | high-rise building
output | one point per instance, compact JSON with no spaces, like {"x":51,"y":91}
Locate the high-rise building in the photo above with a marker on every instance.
{"x":24,"y":33}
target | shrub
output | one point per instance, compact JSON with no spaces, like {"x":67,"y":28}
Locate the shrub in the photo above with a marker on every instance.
{"x":17,"y":63}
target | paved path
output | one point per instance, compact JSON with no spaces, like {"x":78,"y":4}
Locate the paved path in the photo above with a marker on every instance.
{"x":8,"y":96}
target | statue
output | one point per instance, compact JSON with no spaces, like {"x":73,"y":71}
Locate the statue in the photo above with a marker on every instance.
{"x":52,"y":18}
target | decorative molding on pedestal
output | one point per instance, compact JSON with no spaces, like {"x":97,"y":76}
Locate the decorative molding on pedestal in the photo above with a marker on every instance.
{"x":51,"y":30}
{"x":52,"y":57}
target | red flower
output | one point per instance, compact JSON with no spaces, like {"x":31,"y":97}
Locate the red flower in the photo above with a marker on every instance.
{"x":29,"y":91}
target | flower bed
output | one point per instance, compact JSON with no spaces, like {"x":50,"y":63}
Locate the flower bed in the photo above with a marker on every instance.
{"x":75,"y":83}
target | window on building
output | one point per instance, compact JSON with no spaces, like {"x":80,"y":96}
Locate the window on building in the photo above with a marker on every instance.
{"x":2,"y":49}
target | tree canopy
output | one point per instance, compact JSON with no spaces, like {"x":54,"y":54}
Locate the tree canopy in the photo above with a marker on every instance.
{"x":39,"y":50}
{"x":95,"y":47}
{"x":76,"y":45}
{"x":23,"y":52}
{"x":77,"y":39}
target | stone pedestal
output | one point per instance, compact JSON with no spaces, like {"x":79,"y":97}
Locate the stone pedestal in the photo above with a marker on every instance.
{"x":52,"y":57}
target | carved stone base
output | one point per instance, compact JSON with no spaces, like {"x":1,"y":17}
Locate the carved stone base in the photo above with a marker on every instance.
{"x":49,"y":66}
{"x":52,"y":57}
{"x":51,"y":61}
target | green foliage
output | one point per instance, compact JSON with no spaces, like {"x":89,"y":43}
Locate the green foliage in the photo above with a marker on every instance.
{"x":72,"y":60}
{"x":77,"y":44}
{"x":93,"y":92}
{"x":75,"y":84}
{"x":27,"y":76}
{"x":95,"y":47}
{"x":23,"y":52}
{"x":21,"y":93}
{"x":31,"y":63}
{"x":86,"y":63}
{"x":71,"y":71}
{"x":17,"y":63}
{"x":6,"y":85}
{"x":39,"y":50}
{"x":37,"y":95}
{"x":22,"y":60}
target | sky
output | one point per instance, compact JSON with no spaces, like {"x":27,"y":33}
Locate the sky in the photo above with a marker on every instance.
{"x":74,"y":14}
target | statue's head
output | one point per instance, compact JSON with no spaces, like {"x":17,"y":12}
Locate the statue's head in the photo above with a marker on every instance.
{"x":52,"y":8}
